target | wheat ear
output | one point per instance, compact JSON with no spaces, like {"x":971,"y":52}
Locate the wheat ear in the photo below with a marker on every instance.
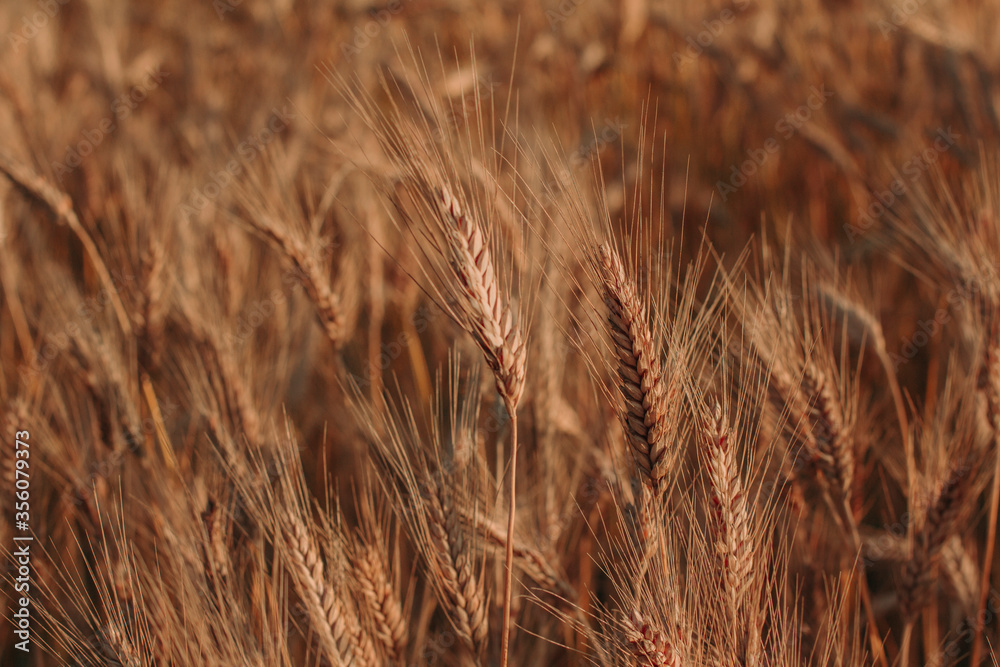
{"x":732,"y":520}
{"x":937,"y":527}
{"x":927,"y":545}
{"x":488,"y":317}
{"x":646,"y":408}
{"x":648,"y":643}
{"x":62,"y":206}
{"x":340,"y":636}
{"x":125,"y":652}
{"x":452,"y":565}
{"x":831,"y":437}
{"x":388,"y":619}
{"x":831,"y":440}
{"x":329,"y":309}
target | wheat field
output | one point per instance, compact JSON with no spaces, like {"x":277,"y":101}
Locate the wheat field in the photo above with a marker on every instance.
{"x":428,"y":332}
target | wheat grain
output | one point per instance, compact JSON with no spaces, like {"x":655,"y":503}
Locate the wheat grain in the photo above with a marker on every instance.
{"x":649,"y":644}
